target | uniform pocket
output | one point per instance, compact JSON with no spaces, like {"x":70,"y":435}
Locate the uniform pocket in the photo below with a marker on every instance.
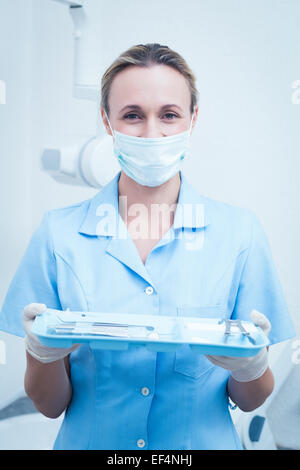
{"x":188,"y":362}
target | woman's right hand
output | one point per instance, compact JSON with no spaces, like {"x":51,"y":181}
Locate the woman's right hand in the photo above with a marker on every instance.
{"x":40,"y":352}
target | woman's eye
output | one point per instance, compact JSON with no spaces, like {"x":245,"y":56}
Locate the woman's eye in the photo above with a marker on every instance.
{"x":170,"y":114}
{"x":131,"y":114}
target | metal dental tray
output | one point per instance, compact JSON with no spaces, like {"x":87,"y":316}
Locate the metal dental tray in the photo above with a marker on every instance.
{"x":108,"y":330}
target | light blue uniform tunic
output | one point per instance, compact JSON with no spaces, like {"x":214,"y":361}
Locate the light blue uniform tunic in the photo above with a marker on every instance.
{"x":215,"y":261}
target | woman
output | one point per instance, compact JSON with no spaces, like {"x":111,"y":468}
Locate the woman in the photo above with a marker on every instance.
{"x":211,"y":259}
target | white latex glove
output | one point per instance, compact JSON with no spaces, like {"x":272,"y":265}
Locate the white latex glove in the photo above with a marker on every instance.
{"x":33,"y":346}
{"x":245,"y":369}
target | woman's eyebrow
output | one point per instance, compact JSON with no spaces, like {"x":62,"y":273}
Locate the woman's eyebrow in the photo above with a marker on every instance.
{"x":136,"y":106}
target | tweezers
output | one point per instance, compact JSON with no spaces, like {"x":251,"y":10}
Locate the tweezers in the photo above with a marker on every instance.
{"x":62,"y":330}
{"x":98,"y":323}
{"x":95,"y":328}
{"x":238,"y":324}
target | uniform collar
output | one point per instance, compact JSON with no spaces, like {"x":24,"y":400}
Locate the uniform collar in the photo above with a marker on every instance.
{"x":192,"y":210}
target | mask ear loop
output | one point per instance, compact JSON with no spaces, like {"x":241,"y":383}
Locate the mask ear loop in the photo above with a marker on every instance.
{"x":109,"y":124}
{"x":191,"y":122}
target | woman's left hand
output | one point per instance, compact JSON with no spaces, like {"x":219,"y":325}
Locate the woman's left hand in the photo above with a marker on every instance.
{"x":245,"y":369}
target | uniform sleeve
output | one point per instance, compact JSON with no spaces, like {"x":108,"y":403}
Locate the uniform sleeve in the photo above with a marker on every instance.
{"x":34,"y":280}
{"x":259,"y":287}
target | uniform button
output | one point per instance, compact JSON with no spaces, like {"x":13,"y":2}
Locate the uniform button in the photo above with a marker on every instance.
{"x":141,"y":443}
{"x":145,"y":391}
{"x":149,"y":290}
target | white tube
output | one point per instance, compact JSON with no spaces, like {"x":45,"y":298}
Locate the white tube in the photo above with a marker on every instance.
{"x":87,"y":53}
{"x":87,"y":69}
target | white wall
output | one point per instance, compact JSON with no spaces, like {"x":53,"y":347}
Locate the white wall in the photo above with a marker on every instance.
{"x":245,"y":148}
{"x":15,"y":162}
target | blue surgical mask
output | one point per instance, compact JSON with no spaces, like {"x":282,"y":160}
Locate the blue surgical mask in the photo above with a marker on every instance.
{"x":151,"y":161}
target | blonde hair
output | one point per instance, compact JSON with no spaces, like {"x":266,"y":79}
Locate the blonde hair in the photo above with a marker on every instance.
{"x":146,"y":55}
